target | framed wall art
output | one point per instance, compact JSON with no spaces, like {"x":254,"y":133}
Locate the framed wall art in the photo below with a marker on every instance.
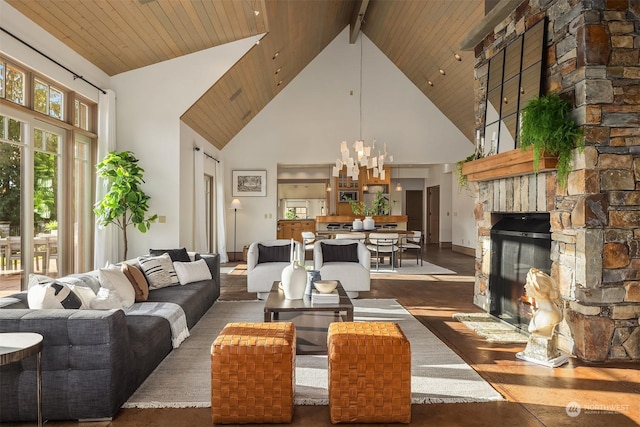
{"x":248,"y":183}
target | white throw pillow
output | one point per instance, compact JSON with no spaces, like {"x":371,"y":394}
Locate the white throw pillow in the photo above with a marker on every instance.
{"x":189,"y":272}
{"x":106,"y":299}
{"x":115,"y":280}
{"x":45,"y":293}
{"x":85,"y":294}
{"x":158,"y":270}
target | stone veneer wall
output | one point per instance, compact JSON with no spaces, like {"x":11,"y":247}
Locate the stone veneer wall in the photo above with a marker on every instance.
{"x":593,"y":49}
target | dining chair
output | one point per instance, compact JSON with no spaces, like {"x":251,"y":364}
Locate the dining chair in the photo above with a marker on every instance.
{"x":4,"y":258}
{"x":308,"y":237}
{"x":52,"y":251}
{"x":361,"y":237}
{"x":410,"y":242}
{"x":14,"y":252}
{"x":384,"y":244}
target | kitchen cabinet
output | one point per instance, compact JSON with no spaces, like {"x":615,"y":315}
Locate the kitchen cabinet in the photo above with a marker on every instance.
{"x":293,"y":228}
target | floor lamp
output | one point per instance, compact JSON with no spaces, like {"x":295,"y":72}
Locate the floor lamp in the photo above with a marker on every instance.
{"x":235,"y":205}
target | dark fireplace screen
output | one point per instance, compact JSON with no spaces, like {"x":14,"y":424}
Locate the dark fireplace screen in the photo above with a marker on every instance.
{"x":518,"y":242}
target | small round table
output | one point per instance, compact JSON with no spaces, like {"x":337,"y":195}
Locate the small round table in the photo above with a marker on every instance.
{"x":15,"y":346}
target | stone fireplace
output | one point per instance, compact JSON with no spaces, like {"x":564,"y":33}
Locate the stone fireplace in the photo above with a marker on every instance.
{"x":593,"y":60}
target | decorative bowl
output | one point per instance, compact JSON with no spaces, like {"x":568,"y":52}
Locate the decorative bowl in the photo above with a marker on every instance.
{"x":325,"y":286}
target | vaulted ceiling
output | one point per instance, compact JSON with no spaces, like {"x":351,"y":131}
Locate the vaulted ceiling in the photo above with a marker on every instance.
{"x":420,"y":37}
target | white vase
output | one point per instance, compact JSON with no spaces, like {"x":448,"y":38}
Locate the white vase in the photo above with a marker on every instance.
{"x":368,"y":223}
{"x":357,"y":225}
{"x":294,"y":281}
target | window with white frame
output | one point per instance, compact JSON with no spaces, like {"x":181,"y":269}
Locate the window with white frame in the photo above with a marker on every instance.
{"x":46,"y":174}
{"x":48,"y":99}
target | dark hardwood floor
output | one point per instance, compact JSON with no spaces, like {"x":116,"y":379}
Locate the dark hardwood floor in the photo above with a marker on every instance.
{"x":608,"y":394}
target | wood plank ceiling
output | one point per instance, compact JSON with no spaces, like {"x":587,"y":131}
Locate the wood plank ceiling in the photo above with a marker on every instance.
{"x":419,"y":37}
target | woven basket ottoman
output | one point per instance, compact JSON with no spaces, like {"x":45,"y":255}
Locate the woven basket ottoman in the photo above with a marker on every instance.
{"x":369,"y":373}
{"x":252,"y":373}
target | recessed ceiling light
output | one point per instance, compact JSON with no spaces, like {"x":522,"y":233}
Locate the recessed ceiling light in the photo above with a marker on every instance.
{"x":277,"y":71}
{"x":279,"y":83}
{"x":275,"y":55}
{"x":457,"y":56}
{"x":441,"y":71}
{"x":256,"y":12}
{"x":430,"y":83}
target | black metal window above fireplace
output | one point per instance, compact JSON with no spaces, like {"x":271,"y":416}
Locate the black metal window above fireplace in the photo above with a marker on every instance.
{"x":518,"y":242}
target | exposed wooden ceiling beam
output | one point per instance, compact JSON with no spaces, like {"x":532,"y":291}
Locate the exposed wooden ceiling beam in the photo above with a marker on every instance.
{"x":488,"y":23}
{"x":356,"y":20}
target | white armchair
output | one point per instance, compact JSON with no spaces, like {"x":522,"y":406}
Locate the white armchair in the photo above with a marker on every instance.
{"x":351,"y":268}
{"x":265,"y":262}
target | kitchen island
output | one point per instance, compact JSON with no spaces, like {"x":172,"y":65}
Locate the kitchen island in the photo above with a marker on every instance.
{"x":343,"y":222}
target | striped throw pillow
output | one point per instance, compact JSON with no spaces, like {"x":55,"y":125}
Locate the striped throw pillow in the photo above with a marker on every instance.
{"x":158,"y":270}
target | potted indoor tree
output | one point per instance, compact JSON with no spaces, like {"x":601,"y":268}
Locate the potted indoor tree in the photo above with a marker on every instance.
{"x":125,"y":203}
{"x":547,"y":127}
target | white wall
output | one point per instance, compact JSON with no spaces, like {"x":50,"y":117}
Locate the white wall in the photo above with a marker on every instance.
{"x":17,"y":24}
{"x":306,"y":122}
{"x":150,"y":101}
{"x":463,"y":204}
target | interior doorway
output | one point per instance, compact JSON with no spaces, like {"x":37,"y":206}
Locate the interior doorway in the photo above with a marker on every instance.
{"x":433,"y":214}
{"x":415,"y":210}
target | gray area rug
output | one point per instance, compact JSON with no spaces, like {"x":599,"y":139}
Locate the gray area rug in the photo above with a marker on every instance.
{"x":183,"y":379}
{"x":410,"y":267}
{"x":490,"y":328}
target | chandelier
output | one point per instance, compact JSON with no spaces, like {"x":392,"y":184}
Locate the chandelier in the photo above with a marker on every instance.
{"x":363,"y":155}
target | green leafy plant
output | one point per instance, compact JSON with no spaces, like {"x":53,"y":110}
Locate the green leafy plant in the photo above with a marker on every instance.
{"x":290,"y":214}
{"x":125,"y":203}
{"x":462,"y":178}
{"x":379,"y":206}
{"x":546,"y":126}
{"x":360,"y":208}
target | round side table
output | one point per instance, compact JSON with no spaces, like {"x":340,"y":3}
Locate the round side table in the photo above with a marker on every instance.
{"x":15,"y":346}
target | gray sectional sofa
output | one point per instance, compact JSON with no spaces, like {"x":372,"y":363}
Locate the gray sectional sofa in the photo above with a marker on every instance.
{"x":92,"y":360}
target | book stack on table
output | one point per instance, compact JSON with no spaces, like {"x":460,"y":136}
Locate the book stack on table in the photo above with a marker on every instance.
{"x":320,"y":298}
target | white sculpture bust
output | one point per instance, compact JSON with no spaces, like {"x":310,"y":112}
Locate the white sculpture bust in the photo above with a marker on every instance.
{"x":544,"y":289}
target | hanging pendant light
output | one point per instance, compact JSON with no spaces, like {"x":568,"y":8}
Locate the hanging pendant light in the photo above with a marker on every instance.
{"x":359,"y":154}
{"x":398,"y":186}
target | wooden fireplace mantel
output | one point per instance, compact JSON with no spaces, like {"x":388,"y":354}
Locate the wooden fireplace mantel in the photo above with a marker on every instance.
{"x":511,"y":163}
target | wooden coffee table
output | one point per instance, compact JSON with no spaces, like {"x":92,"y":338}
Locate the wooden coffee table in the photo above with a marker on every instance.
{"x":311,"y":330}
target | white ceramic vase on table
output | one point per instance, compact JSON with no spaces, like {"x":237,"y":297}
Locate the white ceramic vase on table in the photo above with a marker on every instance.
{"x":294,"y":277}
{"x":294,"y":281}
{"x":369,"y":223}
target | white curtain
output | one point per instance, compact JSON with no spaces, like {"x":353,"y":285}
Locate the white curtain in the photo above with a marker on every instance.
{"x":200,"y":223}
{"x":221,"y":217}
{"x":106,"y":239}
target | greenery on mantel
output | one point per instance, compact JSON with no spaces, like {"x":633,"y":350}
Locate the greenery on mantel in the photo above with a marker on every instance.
{"x":125,"y":203}
{"x":547,"y":127}
{"x":462,"y":178}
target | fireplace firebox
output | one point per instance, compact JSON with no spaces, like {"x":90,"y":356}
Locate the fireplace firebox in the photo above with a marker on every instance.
{"x":518,"y":242}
